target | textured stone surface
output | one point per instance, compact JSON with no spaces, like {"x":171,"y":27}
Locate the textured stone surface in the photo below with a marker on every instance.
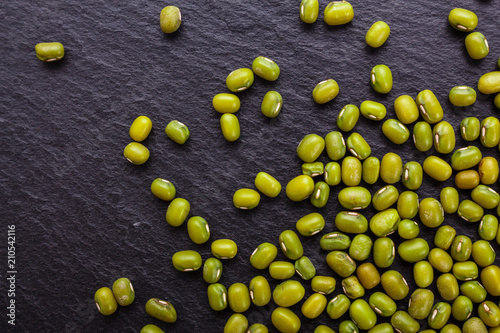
{"x":85,"y":216}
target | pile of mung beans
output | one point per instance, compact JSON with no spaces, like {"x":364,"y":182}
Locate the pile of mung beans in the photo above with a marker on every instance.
{"x":465,"y":271}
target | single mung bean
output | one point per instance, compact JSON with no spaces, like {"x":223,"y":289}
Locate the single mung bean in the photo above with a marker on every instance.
{"x":309,"y":10}
{"x":338,"y":306}
{"x":431,"y":212}
{"x":488,"y":227}
{"x":351,"y":222}
{"x":412,"y":175}
{"x":381,"y":79}
{"x":449,"y":199}
{"x":373,"y":110}
{"x":490,"y":277}
{"x":281,"y":270}
{"x":429,"y":106}
{"x":489,"y":313}
{"x":226,"y":103}
{"x":420,"y":303}
{"x":323,"y":329}
{"x":163,"y":189}
{"x":437,"y":168}
{"x":140,"y":128}
{"x":237,"y":323}
{"x":444,"y":137}
{"x":462,"y":96}
{"x":123,"y":291}
{"x":385,"y":222}
{"x":305,"y":268}
{"x":470,"y":211}
{"x":473,"y":290}
{"x":291,"y":245}
{"x":323,"y":284}
{"x":362,"y":314}
{"x":485,"y":196}
{"x":238,"y":297}
{"x":177,"y":131}
{"x":239,"y":79}
{"x":423,"y":274}
{"x":224,"y":248}
{"x":246,"y":198}
{"x":263,"y":255}
{"x":136,"y":153}
{"x":358,"y":146}
{"x":299,"y":188}
{"x":476,"y":45}
{"x":314,"y":306}
{"x":489,"y":83}
{"x":257,"y":328}
{"x":404,"y":323}
{"x":338,"y":13}
{"x":347,"y":326}
{"x":325,"y":91}
{"x":470,"y":128}
{"x":406,"y":109}
{"x":465,"y":270}
{"x":151,"y":329}
{"x":444,"y":237}
{"x":496,"y":101}
{"x":408,"y":229}
{"x":462,"y":19}
{"x":394,"y":285}
{"x":385,"y":197}
{"x":351,"y":171}
{"x":334,"y":241}
{"x":49,"y":52}
{"x":310,"y":147}
{"x":422,"y":136}
{"x":361,"y":247}
{"x":467,"y":179}
{"x":170,"y":19}
{"x":461,"y":248}
{"x":439,"y":315}
{"x":466,"y":158}
{"x":212,"y":270}
{"x":285,"y":320}
{"x":377,"y":34}
{"x":230,"y":126}
{"x":352,"y":287}
{"x":474,"y":325}
{"x":348,"y":117}
{"x":395,"y":131}
{"x":335,"y":145}
{"x":354,"y":198}
{"x":186,"y":261}
{"x":177,"y":212}
{"x":368,"y":275}
{"x":341,"y":263}
{"x":407,"y":205}
{"x":413,"y":250}
{"x":384,"y":252}
{"x":320,"y":194}
{"x":288,"y":293}
{"x":310,"y":224}
{"x":490,"y":132}
{"x":488,"y":170}
{"x":382,"y":304}
{"x":271,"y":104}
{"x":162,"y":310}
{"x":382,"y":328}
{"x":266,"y":68}
{"x":105,"y":301}
{"x":371,"y":170}
{"x":440,"y":260}
{"x":447,"y":286}
{"x":391,"y":168}
{"x":267,"y":184}
{"x":332,"y":173}
{"x":462,"y":308}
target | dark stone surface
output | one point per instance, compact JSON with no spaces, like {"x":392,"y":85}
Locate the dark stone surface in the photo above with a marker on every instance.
{"x":84,"y":216}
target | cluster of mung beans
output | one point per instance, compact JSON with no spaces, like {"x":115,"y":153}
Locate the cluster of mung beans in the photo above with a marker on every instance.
{"x":452,"y":252}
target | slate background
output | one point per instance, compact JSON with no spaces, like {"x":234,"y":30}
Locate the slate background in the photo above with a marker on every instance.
{"x":85,"y":216}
